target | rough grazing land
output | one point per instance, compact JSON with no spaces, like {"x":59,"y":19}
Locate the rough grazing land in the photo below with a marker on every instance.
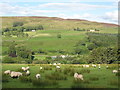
{"x":63,"y":77}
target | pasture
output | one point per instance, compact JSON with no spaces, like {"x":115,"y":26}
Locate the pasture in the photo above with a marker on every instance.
{"x":51,"y":77}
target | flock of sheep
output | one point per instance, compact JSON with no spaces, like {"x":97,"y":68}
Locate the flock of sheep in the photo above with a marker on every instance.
{"x":77,"y":76}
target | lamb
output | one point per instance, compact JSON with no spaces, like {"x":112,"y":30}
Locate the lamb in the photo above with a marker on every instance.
{"x":58,"y":67}
{"x":78,"y":76}
{"x":115,"y":71}
{"x":7,"y":72}
{"x":38,"y":76}
{"x":28,"y":72}
{"x":41,"y":68}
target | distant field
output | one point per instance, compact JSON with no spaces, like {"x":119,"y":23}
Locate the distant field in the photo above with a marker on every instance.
{"x":93,"y":77}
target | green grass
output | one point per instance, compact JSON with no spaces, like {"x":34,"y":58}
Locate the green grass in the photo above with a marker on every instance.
{"x":97,"y":78}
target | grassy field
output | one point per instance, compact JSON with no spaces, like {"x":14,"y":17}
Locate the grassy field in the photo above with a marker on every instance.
{"x":47,"y":39}
{"x":93,"y":77}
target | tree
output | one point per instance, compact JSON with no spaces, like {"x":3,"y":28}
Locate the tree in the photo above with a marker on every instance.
{"x":12,"y":50}
{"x":103,"y":55}
{"x":91,"y":46}
{"x":59,"y":36}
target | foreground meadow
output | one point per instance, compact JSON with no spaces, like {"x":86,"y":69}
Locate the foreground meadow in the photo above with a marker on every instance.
{"x":52,"y":77}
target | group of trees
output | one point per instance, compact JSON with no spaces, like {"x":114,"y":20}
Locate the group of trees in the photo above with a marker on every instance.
{"x":22,"y":53}
{"x":80,"y":29}
{"x":18,"y":29}
{"x":104,"y":55}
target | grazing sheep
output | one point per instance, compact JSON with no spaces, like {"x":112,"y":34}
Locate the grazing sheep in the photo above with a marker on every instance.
{"x":59,"y":63}
{"x":75,"y":75}
{"x":27,"y":68}
{"x":54,"y":63}
{"x":28,"y":72}
{"x":85,"y":65}
{"x":114,"y":71}
{"x":23,"y":68}
{"x":106,"y":67}
{"x":58,"y":67}
{"x":41,"y":68}
{"x":99,"y":66}
{"x":7,"y":72}
{"x":94,"y":65}
{"x":38,"y":76}
{"x":78,"y":76}
{"x":15,"y":74}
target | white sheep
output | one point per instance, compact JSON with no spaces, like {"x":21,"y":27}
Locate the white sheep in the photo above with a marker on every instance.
{"x":114,"y":71}
{"x":59,"y":63}
{"x":23,"y":68}
{"x":38,"y":76}
{"x":54,"y":63}
{"x":58,"y":67}
{"x":7,"y":72}
{"x":93,"y":65}
{"x":15,"y":74}
{"x":41,"y":68}
{"x":106,"y":67}
{"x":28,"y":72}
{"x":78,"y":76}
{"x":75,"y":75}
{"x":85,"y":65}
{"x":99,"y":66}
{"x":27,"y":68}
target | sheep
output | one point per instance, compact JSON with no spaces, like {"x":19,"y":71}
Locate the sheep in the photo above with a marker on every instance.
{"x":27,"y":68}
{"x":75,"y":75}
{"x":38,"y":76}
{"x":106,"y":67}
{"x":58,"y":67}
{"x":15,"y":74}
{"x":85,"y":65}
{"x":59,"y":63}
{"x":7,"y":72}
{"x":78,"y":76}
{"x":99,"y":66}
{"x":23,"y":68}
{"x":114,"y":71}
{"x":41,"y":68}
{"x":28,"y":72}
{"x":54,"y":63}
{"x":94,"y":65}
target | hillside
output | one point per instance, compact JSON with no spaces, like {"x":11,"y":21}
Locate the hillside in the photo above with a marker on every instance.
{"x":54,"y":23}
{"x":53,"y":36}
